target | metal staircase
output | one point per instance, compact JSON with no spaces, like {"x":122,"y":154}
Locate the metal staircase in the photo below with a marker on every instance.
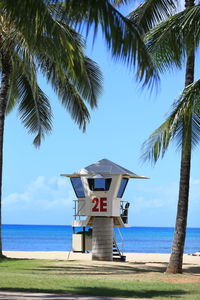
{"x":117,"y":254}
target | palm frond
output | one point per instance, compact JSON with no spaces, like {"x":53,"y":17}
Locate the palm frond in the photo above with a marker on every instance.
{"x":186,"y":111}
{"x":34,"y":109}
{"x":190,"y":27}
{"x":35,"y":21}
{"x":33,"y":104}
{"x":152,"y":12}
{"x":28,"y":13}
{"x":81,"y":72}
{"x":122,"y":36}
{"x":192,"y":94}
{"x":22,"y":64}
{"x":170,"y":41}
{"x":68,"y":90}
{"x":165,"y":43}
{"x":71,"y":99}
{"x":89,"y":81}
{"x":12,"y":95}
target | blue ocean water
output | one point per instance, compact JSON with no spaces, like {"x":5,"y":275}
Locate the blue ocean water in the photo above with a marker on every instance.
{"x":58,"y":238}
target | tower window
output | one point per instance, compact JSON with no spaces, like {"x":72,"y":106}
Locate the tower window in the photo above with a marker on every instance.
{"x":122,"y":187}
{"x":99,"y":184}
{"x":78,"y":187}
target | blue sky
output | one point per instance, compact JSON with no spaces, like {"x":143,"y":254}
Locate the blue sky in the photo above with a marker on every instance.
{"x":34,"y":192}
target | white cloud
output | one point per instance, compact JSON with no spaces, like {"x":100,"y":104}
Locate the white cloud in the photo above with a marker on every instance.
{"x":42,"y":198}
{"x":154,"y":204}
{"x":42,"y":191}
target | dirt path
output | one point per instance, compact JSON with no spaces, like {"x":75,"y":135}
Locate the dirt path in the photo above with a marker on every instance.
{"x":44,"y":296}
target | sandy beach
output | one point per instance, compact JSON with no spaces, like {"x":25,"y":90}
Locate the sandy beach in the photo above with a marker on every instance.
{"x":151,"y":260}
{"x":64,"y":255}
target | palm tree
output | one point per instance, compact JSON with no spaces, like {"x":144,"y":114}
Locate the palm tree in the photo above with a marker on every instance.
{"x":169,"y":42}
{"x":75,"y":78}
{"x":39,"y":35}
{"x":176,"y":258}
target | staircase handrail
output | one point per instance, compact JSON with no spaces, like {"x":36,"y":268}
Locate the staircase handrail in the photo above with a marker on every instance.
{"x":121,"y":252}
{"x":122,"y":240}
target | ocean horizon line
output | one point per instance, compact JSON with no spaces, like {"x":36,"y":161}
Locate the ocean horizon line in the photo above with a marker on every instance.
{"x":68,"y":225}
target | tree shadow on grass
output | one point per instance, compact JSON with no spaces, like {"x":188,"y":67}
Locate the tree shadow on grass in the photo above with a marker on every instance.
{"x":195,"y":270}
{"x":91,"y":270}
{"x":140,"y":293}
{"x":105,"y":292}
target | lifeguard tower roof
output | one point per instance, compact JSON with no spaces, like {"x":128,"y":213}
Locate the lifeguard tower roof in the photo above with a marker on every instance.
{"x":104,"y":167}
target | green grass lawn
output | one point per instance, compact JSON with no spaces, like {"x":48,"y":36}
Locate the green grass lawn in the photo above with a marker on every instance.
{"x":95,"y":278}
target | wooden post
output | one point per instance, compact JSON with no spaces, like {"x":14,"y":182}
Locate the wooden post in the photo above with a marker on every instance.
{"x":83,"y":251}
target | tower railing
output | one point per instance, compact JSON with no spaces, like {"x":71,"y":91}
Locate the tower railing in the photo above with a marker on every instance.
{"x":124,"y":206}
{"x":79,"y":206}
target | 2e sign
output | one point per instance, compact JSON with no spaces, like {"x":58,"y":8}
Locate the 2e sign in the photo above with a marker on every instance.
{"x":99,"y":204}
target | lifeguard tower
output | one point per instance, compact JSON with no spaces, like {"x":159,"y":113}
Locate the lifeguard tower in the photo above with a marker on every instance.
{"x":99,"y":189}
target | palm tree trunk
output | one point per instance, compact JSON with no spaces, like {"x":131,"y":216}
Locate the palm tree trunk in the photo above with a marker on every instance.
{"x":176,"y":258}
{"x":3,"y":101}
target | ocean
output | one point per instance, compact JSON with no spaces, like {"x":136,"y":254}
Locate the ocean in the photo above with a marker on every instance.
{"x":58,"y":238}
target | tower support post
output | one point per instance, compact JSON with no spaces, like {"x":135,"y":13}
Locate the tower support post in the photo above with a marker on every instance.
{"x":102,"y":239}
